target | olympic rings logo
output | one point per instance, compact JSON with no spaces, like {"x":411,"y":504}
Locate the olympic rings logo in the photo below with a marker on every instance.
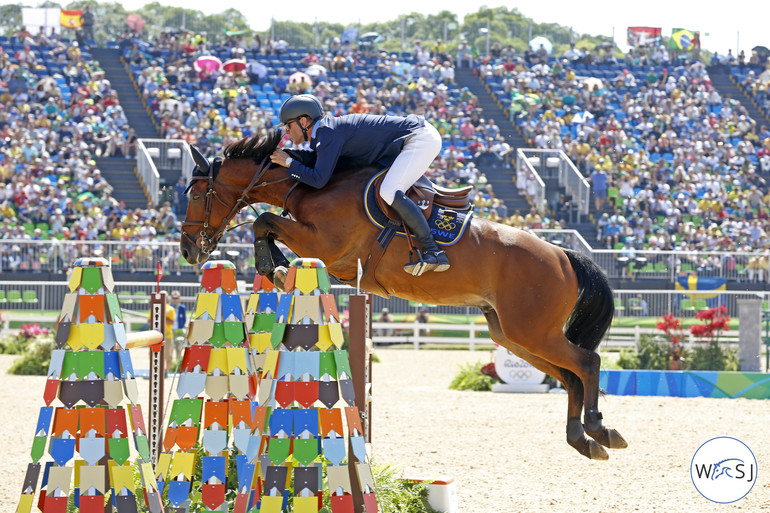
{"x":520,"y":375}
{"x":445,"y":223}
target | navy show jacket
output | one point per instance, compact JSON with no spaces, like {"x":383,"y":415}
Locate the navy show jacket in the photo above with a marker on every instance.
{"x":360,"y":139}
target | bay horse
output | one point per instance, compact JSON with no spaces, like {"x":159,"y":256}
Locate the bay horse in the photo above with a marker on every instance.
{"x":548,"y":305}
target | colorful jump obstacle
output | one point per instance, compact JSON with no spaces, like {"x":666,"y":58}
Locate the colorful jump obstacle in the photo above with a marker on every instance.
{"x":91,"y":375}
{"x":281,"y":404}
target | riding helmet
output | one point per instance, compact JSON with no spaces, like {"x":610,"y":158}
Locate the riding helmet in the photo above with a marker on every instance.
{"x":301,"y":105}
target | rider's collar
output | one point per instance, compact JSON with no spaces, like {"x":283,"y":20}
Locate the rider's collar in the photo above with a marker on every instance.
{"x":315,"y":129}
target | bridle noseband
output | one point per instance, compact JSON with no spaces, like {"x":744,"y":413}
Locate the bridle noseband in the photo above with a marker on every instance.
{"x":209,"y":242}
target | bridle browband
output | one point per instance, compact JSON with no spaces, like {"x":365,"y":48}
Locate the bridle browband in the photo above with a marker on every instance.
{"x":209,"y":242}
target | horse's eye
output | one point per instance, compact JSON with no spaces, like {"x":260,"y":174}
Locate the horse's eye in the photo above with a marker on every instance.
{"x":196,"y":196}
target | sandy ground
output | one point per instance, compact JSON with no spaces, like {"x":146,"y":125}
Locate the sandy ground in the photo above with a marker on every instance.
{"x":505,"y":452}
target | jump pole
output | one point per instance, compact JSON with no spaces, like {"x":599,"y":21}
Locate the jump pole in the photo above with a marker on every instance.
{"x":359,"y":353}
{"x":157,"y":374}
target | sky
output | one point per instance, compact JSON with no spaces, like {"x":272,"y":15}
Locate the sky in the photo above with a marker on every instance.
{"x":736,"y":24}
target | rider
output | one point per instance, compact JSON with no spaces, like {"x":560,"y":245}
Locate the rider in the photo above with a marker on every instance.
{"x":407,"y":144}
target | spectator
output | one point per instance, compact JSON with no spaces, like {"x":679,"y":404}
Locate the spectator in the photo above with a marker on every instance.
{"x":179,"y":327}
{"x":386,"y":316}
{"x":87,"y":22}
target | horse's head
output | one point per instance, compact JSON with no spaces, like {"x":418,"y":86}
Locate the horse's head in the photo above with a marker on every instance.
{"x":220,"y":188}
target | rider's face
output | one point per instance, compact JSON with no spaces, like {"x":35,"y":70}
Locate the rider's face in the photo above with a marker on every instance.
{"x":294,"y":129}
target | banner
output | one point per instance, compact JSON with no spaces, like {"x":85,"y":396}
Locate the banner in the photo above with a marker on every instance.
{"x":47,"y":17}
{"x":71,"y":19}
{"x":684,"y":40}
{"x":709,"y":291}
{"x":644,"y":36}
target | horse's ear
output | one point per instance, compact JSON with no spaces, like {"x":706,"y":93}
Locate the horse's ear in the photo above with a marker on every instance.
{"x":201,"y":161}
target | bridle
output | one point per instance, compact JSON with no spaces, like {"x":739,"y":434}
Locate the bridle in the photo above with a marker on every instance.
{"x":209,"y":242}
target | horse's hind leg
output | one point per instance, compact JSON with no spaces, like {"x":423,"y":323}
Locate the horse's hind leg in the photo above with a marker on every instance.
{"x":575,"y":433}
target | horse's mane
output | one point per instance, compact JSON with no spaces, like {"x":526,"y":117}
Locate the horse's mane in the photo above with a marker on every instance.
{"x":255,"y":147}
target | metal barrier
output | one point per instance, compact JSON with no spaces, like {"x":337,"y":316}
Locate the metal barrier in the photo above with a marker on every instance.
{"x":20,"y":299}
{"x":56,"y":256}
{"x":165,"y":154}
{"x":548,"y":164}
{"x":668,"y":265}
{"x":148,"y":172}
{"x":527,"y":167}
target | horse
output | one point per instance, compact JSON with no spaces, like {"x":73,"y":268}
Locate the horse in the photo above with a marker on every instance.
{"x":548,"y":305}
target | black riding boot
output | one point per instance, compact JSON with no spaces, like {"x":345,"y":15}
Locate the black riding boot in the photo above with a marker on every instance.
{"x":432,"y":258}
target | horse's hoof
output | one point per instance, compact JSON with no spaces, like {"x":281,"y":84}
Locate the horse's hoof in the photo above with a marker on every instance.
{"x":589,"y":449}
{"x":608,"y":437}
{"x":279,"y":277}
{"x":265,"y":268}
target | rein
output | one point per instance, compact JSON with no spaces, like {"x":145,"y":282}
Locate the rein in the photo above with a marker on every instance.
{"x":209,"y":242}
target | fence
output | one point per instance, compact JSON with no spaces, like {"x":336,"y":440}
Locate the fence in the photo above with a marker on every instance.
{"x":56,"y":256}
{"x":547,"y":164}
{"x":153,"y":154}
{"x":24,"y":301}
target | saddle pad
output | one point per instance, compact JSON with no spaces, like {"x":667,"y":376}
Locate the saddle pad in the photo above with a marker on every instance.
{"x":446,"y":225}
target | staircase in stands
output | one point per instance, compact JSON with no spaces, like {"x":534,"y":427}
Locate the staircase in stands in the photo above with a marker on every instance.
{"x":119,"y":171}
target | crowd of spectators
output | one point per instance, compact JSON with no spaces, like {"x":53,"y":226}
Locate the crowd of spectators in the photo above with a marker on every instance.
{"x":673,"y":164}
{"x":211,"y":108}
{"x":58,"y":113}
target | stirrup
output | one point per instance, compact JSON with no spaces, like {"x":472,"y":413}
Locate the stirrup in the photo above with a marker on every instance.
{"x":428,"y":261}
{"x":442,"y":262}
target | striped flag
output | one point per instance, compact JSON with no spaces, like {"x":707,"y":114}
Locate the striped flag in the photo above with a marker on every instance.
{"x":70,"y":19}
{"x":709,"y":290}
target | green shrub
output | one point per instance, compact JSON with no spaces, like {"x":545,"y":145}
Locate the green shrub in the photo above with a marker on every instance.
{"x":711,"y":356}
{"x":628,"y":359}
{"x":12,"y":345}
{"x":396,"y":495}
{"x":651,"y":353}
{"x":470,"y":377}
{"x":35,"y":359}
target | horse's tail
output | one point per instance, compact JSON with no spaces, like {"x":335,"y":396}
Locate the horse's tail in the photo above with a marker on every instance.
{"x":595,"y":307}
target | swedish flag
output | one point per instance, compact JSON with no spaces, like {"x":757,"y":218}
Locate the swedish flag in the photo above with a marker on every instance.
{"x":711,"y":296}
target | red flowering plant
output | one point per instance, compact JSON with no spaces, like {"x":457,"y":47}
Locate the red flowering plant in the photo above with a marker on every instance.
{"x":673,"y":330}
{"x":28,"y":331}
{"x":709,"y":355}
{"x":489,"y":370}
{"x":715,"y":322}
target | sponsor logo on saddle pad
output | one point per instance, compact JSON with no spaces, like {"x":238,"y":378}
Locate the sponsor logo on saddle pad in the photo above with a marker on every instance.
{"x":446,"y":225}
{"x":724,"y":469}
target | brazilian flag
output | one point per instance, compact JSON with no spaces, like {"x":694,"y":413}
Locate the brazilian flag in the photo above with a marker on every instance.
{"x":681,"y":39}
{"x":709,"y":293}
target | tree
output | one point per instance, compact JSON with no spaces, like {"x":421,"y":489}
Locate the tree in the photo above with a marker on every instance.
{"x":10,"y":19}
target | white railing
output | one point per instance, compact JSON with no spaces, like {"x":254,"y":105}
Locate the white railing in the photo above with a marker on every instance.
{"x":418,"y":333}
{"x":527,"y":168}
{"x":56,"y":256}
{"x":165,"y":154}
{"x":148,"y":172}
{"x":570,"y":239}
{"x":547,"y":164}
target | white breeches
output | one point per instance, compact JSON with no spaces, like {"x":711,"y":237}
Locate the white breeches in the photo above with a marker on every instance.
{"x":416,"y":156}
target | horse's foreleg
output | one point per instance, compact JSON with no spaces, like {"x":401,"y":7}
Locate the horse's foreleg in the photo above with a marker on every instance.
{"x":267,"y":254}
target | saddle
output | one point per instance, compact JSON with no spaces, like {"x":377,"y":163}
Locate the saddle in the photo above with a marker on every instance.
{"x":425,"y":194}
